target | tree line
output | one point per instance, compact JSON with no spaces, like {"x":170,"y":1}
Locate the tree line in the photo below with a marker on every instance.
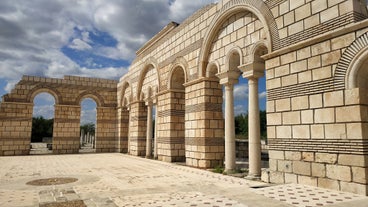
{"x":42,"y":127}
{"x":241,"y":125}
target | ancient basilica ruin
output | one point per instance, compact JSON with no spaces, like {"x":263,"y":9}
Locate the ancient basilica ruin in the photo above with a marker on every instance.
{"x":314,"y":55}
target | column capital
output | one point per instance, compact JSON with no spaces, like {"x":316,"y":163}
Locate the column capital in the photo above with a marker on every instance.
{"x":253,"y":70}
{"x":229,"y":77}
{"x":149,"y":102}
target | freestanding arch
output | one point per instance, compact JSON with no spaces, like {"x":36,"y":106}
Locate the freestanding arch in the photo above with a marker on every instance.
{"x":17,"y":106}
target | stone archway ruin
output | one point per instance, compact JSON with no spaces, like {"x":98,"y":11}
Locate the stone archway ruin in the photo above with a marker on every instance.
{"x":16,"y":113}
{"x":316,"y":111}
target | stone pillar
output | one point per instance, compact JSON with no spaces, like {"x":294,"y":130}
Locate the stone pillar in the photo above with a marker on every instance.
{"x":137,"y":128}
{"x":229,"y":79}
{"x":66,"y":129}
{"x":106,"y":129}
{"x":171,"y":126}
{"x":123,"y":129}
{"x":15,"y":128}
{"x":204,"y":123}
{"x":149,"y":129}
{"x":155,"y":154}
{"x":252,"y":72}
{"x":254,"y":130}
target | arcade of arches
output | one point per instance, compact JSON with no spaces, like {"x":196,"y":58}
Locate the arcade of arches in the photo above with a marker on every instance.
{"x":314,"y":55}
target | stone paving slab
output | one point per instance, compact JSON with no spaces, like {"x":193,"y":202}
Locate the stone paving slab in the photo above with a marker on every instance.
{"x":113,"y":180}
{"x":307,"y":196}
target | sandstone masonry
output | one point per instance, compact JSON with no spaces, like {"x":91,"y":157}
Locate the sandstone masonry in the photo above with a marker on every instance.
{"x":313,"y":53}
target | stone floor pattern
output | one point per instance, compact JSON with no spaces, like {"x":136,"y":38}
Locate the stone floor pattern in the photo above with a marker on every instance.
{"x":120,"y":180}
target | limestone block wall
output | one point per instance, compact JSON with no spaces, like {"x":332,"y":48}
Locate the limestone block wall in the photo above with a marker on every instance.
{"x":66,"y":133}
{"x":106,"y":131}
{"x":316,"y":126}
{"x":123,"y":132}
{"x":17,"y":107}
{"x":15,"y":128}
{"x":171,"y":126}
{"x":309,"y":44}
{"x":137,"y":128}
{"x":298,"y":20}
{"x":204,"y":134}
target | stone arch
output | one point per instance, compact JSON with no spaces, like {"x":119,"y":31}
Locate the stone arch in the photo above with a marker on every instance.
{"x":258,"y":8}
{"x":44,"y":89}
{"x":92,"y":95}
{"x":357,"y":75}
{"x":123,"y":100}
{"x":213,"y":68}
{"x":149,"y":64}
{"x":350,"y":63}
{"x":180,"y":63}
{"x":259,"y":49}
{"x":234,"y":58}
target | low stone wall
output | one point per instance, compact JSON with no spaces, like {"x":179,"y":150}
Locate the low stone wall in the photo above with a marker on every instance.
{"x":241,"y":148}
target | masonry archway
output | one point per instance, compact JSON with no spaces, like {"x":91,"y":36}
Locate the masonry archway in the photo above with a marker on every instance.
{"x":88,"y":123}
{"x":42,"y":122}
{"x":124,"y":117}
{"x":177,"y":79}
{"x":260,"y":11}
{"x":141,"y":110}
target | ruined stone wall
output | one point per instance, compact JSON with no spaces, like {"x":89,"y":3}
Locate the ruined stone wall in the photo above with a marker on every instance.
{"x":315,"y":122}
{"x":314,"y":55}
{"x":17,"y":107}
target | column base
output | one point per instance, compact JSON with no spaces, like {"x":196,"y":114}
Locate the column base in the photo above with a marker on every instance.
{"x":253,"y":177}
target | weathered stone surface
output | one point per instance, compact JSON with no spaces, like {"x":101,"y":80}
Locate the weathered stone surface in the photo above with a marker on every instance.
{"x":313,"y":54}
{"x":338,"y":172}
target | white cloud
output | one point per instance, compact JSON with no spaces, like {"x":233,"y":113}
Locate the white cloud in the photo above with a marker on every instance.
{"x":240,"y":109}
{"x":241,"y":92}
{"x":88,"y":116}
{"x":33,"y":33}
{"x":262,"y":95}
{"x":79,"y":44}
{"x":46,"y":111}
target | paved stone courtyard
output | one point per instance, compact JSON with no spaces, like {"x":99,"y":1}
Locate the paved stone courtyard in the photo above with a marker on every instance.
{"x":121,"y":180}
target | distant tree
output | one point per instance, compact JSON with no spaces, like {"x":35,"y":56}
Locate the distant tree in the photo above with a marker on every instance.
{"x":241,"y":125}
{"x":41,"y":128}
{"x":263,"y":122}
{"x":88,"y":128}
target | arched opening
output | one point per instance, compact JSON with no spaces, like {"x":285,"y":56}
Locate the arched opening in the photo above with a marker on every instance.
{"x":88,"y":126}
{"x":177,"y":79}
{"x":232,"y":40}
{"x":141,"y":139}
{"x":361,"y":76}
{"x":42,"y":123}
{"x":124,"y":120}
{"x":233,"y":91}
{"x":233,"y":14}
{"x":176,"y":149}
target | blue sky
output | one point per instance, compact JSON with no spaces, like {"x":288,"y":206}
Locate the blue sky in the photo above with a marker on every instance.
{"x":90,"y":38}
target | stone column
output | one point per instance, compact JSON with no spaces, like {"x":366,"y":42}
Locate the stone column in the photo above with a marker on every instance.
{"x":252,"y":72}
{"x":149,"y":129}
{"x":229,"y":79}
{"x":82,"y":137}
{"x":254,"y":130}
{"x":155,"y":154}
